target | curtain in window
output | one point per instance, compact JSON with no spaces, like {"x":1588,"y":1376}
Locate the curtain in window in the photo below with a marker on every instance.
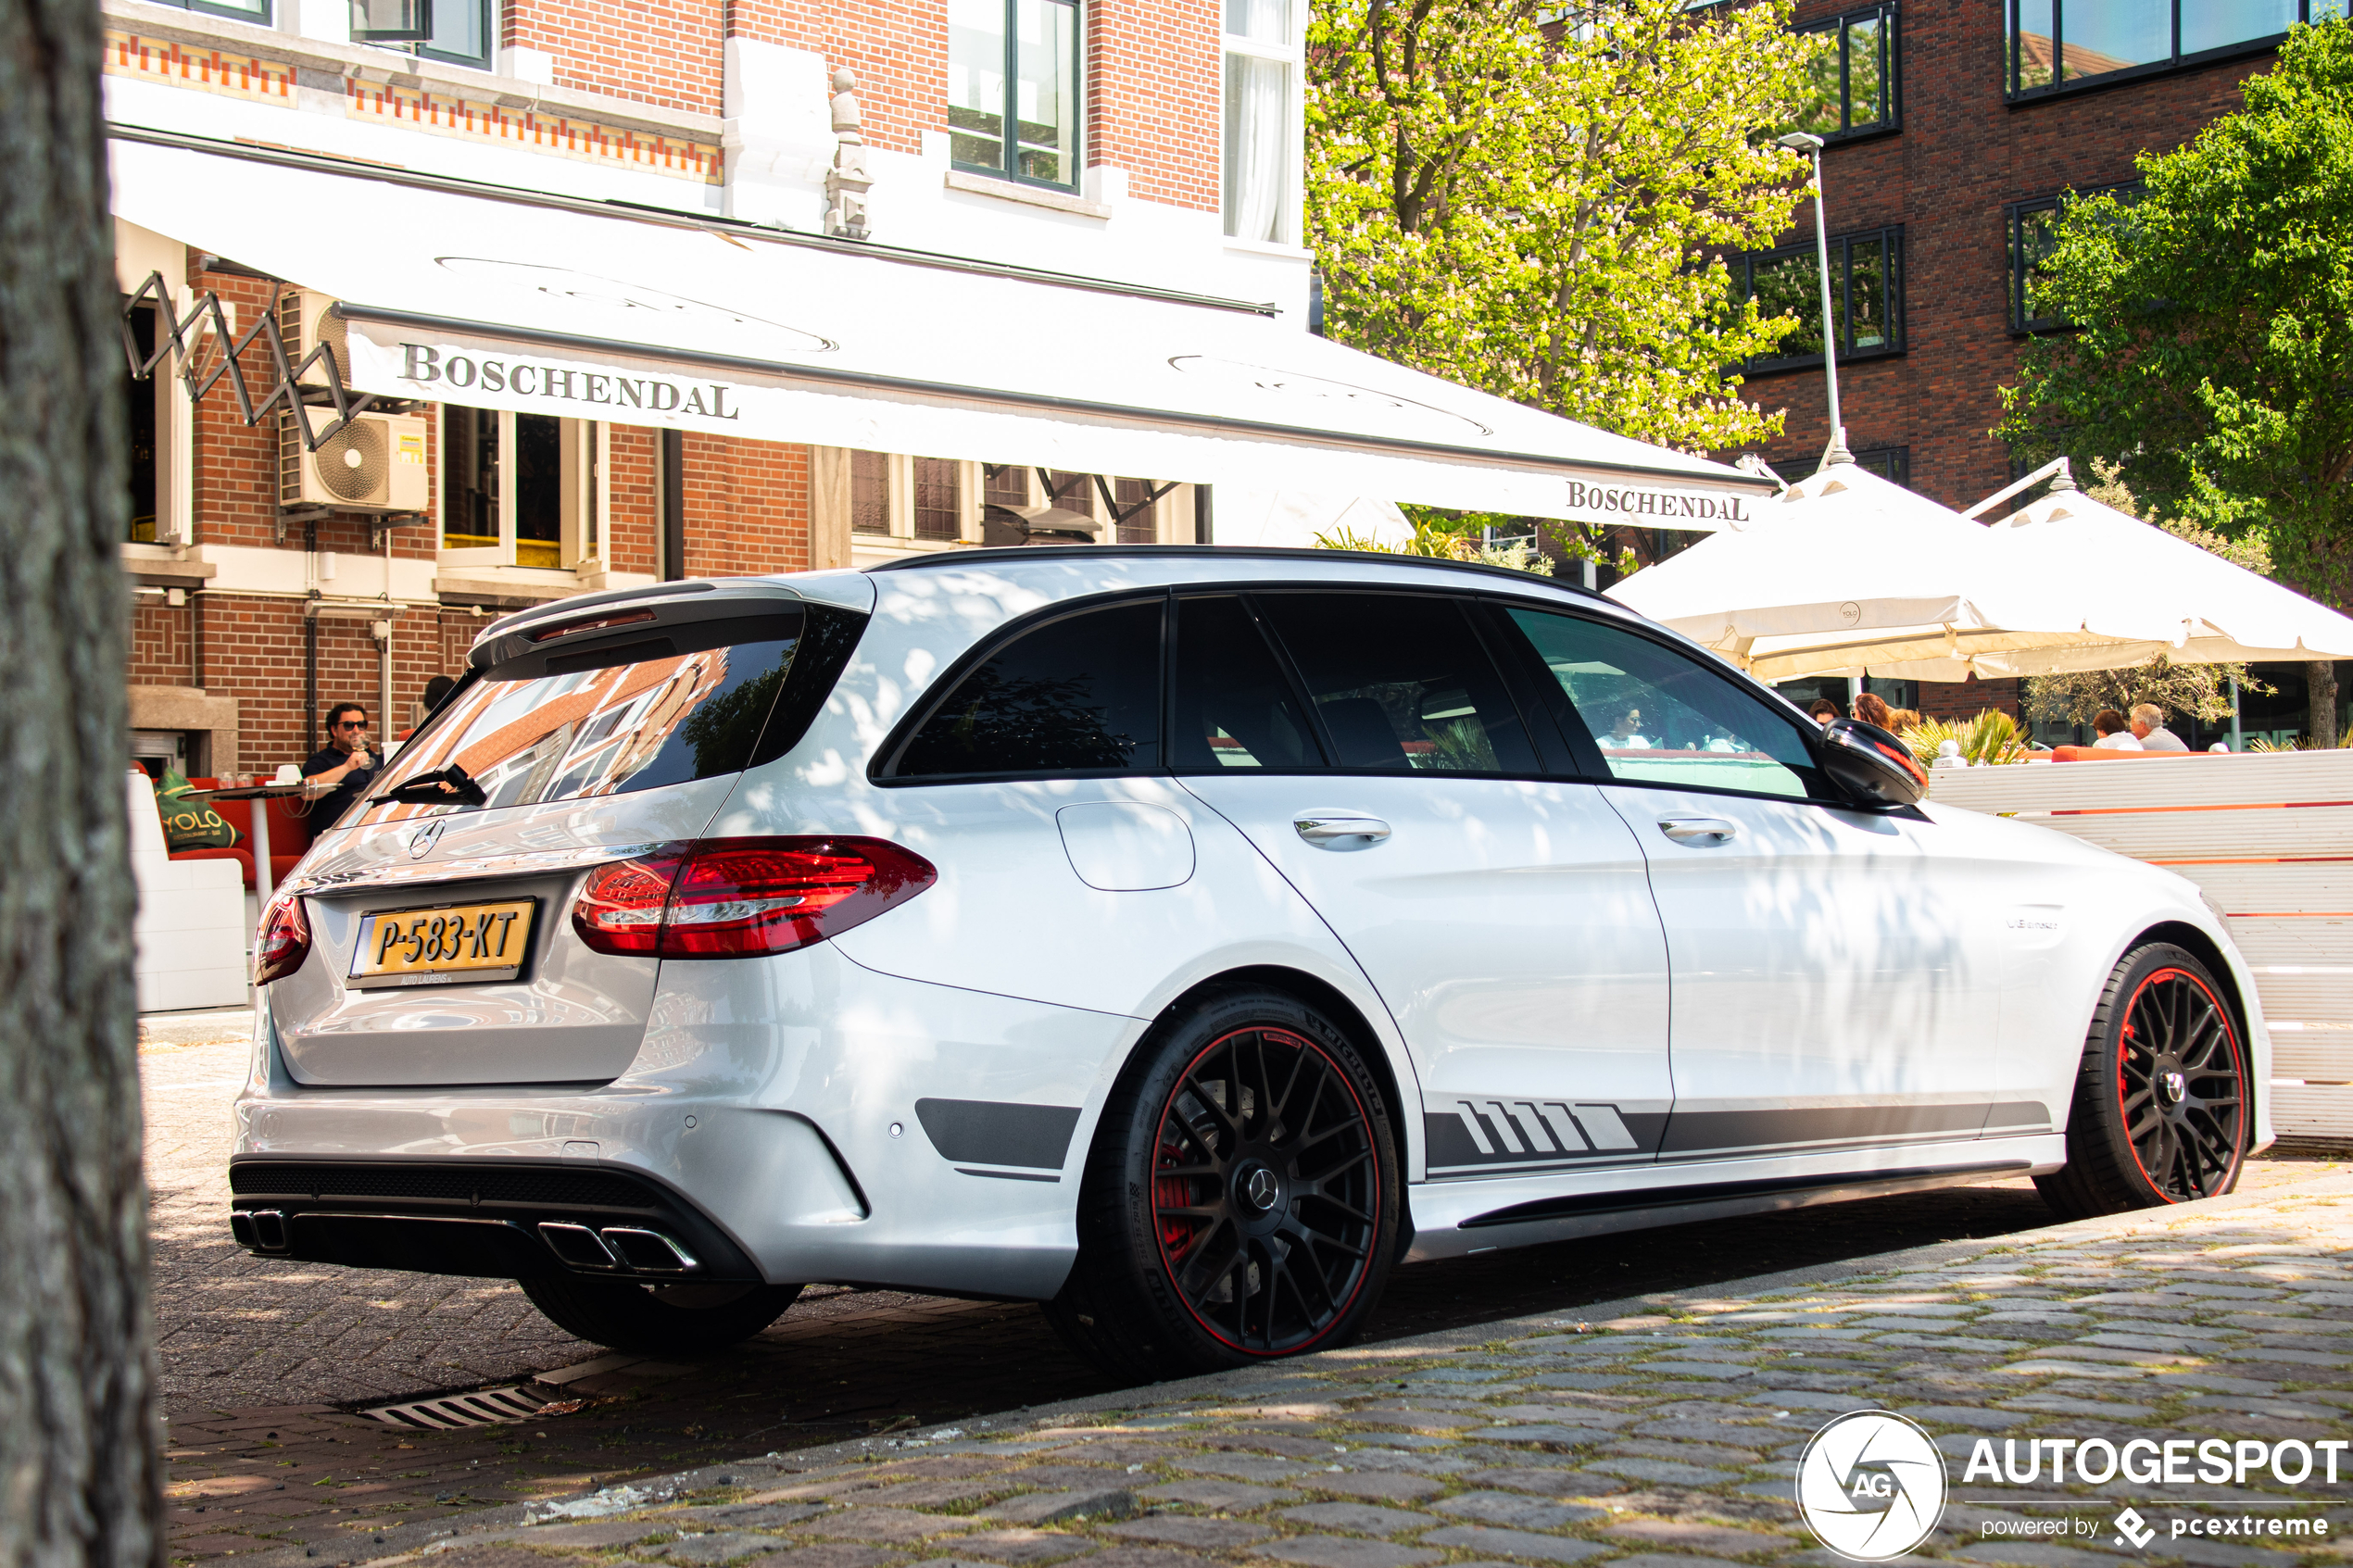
{"x":1257,"y":133}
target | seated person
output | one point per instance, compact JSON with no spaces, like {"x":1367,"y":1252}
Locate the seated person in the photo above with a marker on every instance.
{"x":2113,"y":735}
{"x":344,"y":762}
{"x":1822,"y":711}
{"x":2148,"y":728}
{"x":1627,"y":733}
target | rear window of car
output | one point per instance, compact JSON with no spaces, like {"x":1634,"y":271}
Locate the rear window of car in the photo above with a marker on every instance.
{"x":639,"y":708}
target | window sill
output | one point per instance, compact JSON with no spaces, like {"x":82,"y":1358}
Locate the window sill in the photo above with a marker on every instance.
{"x":1813,"y":362}
{"x":1269,"y":248}
{"x":1028,"y":195}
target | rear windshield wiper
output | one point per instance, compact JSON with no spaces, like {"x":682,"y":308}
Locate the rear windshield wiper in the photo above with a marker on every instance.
{"x":450,"y":787}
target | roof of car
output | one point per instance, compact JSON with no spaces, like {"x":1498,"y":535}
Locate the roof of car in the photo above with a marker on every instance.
{"x":1024,"y":554}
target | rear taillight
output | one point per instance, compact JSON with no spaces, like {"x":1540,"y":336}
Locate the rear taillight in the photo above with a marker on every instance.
{"x":740,"y":898}
{"x":285,"y":941}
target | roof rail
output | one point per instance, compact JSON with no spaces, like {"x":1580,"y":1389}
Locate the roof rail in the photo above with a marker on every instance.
{"x":944,"y":559}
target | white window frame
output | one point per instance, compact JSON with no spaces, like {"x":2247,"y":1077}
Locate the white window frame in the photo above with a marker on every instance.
{"x":582,"y":532}
{"x":1292,"y":56}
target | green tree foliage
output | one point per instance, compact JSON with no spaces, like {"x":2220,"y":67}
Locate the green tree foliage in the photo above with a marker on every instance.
{"x":2214,"y":352}
{"x":1535,"y":210}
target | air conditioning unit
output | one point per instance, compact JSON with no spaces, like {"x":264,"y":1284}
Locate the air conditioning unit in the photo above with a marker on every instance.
{"x":375,"y":463}
{"x":305,"y":321}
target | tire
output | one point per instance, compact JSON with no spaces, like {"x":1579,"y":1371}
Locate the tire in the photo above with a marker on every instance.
{"x":657,"y":1320}
{"x":2162,"y":1106}
{"x":1207,"y":1241}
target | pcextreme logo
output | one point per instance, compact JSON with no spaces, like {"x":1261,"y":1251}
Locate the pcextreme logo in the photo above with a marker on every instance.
{"x":1871,"y":1485}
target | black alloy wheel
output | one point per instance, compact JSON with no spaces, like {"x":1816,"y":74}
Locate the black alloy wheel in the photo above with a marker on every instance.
{"x":1263,"y":1183}
{"x":1242,"y":1200}
{"x":2162,"y":1107}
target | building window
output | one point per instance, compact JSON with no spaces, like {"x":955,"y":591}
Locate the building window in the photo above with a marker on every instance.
{"x":870,"y":493}
{"x":2033,"y":234}
{"x":248,"y":11}
{"x":521,"y":489}
{"x":1852,"y":75}
{"x":1867,"y":295}
{"x":1034,"y":46}
{"x":939,"y":486}
{"x":454,"y":31}
{"x":2058,"y":44}
{"x":142,"y":430}
{"x":1262,"y":62}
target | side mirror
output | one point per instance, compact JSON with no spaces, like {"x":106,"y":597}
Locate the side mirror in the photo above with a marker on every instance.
{"x":1872,"y":767}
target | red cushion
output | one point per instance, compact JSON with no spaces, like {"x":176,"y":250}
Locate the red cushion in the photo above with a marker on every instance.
{"x":2100,"y":754}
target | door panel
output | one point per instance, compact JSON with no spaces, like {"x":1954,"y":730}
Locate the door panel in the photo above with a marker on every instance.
{"x":1834,"y":980}
{"x":1836,"y":973}
{"x":1507,"y":922}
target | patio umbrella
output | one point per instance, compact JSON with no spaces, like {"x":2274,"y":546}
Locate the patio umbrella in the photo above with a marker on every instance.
{"x":2111,"y":574}
{"x":1850,"y":574}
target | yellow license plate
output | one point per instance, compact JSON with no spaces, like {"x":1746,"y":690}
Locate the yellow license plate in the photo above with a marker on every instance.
{"x":439,"y":945}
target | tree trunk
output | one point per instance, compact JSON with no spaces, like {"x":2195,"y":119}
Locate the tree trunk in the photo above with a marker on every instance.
{"x":79,"y":1463}
{"x":2319,"y":680}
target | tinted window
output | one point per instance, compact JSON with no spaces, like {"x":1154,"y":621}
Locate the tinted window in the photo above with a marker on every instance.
{"x":1660,"y":718}
{"x":634,"y":714}
{"x":1076,"y":696}
{"x":1399,"y":683}
{"x":1234,"y":707}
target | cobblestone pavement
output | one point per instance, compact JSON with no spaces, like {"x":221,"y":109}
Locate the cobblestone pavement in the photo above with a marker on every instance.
{"x":1658,"y":1431}
{"x":264,"y":1362}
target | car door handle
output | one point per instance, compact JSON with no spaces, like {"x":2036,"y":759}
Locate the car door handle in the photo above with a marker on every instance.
{"x":1337,"y":832}
{"x":1701,"y":832}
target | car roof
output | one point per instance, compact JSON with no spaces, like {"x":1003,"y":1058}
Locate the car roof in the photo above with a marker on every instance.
{"x":1161,"y":565}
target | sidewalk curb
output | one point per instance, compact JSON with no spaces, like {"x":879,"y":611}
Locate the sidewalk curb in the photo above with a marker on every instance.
{"x":403,"y":1542}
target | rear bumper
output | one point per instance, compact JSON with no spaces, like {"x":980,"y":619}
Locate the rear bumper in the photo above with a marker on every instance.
{"x":503,"y":1219}
{"x":772,"y":1115}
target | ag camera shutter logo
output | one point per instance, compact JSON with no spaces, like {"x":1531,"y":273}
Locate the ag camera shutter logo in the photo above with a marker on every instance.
{"x":1871,"y":1485}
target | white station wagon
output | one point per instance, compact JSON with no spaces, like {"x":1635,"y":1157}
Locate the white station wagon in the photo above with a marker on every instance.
{"x":1182,"y":938}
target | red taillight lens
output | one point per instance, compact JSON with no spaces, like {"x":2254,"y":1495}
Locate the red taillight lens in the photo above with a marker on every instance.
{"x":740,"y":898}
{"x":619,"y":909}
{"x":285,"y":941}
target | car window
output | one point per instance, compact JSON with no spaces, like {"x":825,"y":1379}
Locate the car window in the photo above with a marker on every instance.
{"x":1400,"y":682}
{"x":1080,"y":694}
{"x":1234,"y":706}
{"x":1658,"y":716}
{"x":677,"y":704}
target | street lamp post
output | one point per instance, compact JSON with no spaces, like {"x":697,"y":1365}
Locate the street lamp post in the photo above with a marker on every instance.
{"x":1801,"y":141}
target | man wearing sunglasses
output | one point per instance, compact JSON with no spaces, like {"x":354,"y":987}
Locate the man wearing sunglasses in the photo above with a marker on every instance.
{"x":344,"y":762}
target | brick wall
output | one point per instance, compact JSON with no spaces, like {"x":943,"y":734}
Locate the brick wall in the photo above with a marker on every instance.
{"x":633,"y":527}
{"x":1152,"y":97}
{"x":663,"y":52}
{"x":159,"y":645}
{"x":747,"y":506}
{"x":1961,"y":155}
{"x":899,"y":53}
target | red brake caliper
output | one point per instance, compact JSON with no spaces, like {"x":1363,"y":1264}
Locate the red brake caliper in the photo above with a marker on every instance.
{"x":1176,"y":1233}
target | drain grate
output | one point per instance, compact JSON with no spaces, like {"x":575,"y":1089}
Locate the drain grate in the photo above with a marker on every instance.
{"x":485,"y":1407}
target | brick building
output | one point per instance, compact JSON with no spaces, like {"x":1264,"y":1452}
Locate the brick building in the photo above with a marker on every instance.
{"x":679,"y":288}
{"x":1954,"y":127}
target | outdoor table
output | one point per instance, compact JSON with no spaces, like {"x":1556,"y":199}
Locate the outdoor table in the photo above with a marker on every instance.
{"x":261,"y":795}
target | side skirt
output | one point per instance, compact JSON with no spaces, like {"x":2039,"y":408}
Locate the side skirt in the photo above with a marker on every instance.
{"x":1455,"y":1219}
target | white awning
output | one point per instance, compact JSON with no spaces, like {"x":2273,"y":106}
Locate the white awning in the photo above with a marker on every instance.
{"x":470,"y":294}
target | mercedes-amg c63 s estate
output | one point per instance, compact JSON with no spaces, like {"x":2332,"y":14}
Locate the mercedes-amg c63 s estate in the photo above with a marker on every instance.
{"x":1183,"y":938}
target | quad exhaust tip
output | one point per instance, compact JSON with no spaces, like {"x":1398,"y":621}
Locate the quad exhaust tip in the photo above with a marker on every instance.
{"x":629,"y":1250}
{"x":625,"y":1248}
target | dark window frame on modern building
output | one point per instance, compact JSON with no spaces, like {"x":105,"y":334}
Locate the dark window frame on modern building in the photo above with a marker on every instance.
{"x":2020,"y":66}
{"x":1880,"y":20}
{"x":2018,"y":221}
{"x":1842,"y":247}
{"x":969,"y":135}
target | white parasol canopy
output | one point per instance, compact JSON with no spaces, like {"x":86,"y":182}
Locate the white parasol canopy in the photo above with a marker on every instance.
{"x":1850,"y":574}
{"x":2116,"y":574}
